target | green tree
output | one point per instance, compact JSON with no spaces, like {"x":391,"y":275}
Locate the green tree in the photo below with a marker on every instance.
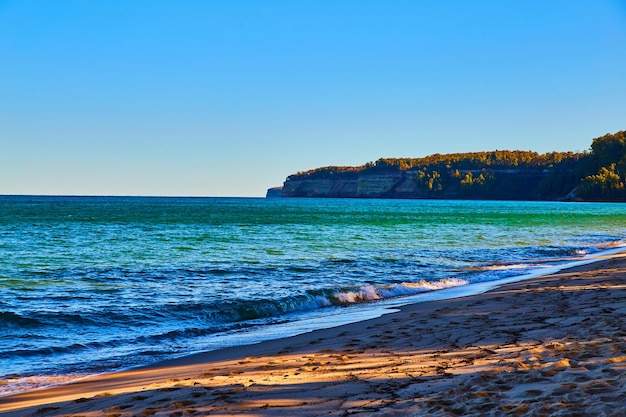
{"x":609,"y":148}
{"x":431,"y":180}
{"x":606,"y":184}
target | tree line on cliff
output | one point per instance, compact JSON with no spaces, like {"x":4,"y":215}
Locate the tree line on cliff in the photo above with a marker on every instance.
{"x":596,"y":175}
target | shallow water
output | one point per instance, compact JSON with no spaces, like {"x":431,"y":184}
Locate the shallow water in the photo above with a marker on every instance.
{"x":95,"y":284}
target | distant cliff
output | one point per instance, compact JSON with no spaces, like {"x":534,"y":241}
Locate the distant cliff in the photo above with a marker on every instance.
{"x":502,"y":175}
{"x":274,"y":192}
{"x":487,"y":184}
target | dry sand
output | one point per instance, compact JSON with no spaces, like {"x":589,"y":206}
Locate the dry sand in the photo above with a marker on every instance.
{"x":549,"y":346}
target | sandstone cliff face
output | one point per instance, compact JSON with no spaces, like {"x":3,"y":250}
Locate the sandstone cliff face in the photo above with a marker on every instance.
{"x":377,"y":185}
{"x":369,"y":186}
{"x":320,"y":188}
{"x":274,"y":192}
{"x":507,"y":185}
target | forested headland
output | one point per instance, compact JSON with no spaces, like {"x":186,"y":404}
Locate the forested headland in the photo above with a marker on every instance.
{"x":598,"y":174}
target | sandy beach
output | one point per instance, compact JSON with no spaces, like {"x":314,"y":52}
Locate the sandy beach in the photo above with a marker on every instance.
{"x":554,"y":345}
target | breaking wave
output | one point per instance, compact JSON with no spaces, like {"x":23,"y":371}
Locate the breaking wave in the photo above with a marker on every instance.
{"x":373,"y":293}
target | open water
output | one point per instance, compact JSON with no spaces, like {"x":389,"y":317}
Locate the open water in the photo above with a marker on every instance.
{"x":97,"y":284}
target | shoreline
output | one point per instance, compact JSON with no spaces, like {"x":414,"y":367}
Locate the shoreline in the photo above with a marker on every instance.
{"x":320,"y":320}
{"x":432,"y":346}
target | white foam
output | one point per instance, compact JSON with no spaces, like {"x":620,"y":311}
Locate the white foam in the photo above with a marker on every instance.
{"x":506,"y":267}
{"x":482,"y":287}
{"x":372,"y":293}
{"x":367,"y":293}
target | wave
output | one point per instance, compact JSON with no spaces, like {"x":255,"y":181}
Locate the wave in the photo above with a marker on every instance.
{"x":612,"y":244}
{"x":44,"y":351}
{"x":373,"y":293}
{"x":212,"y":316}
{"x":241,"y":314}
{"x":242,"y":310}
{"x":14,"y":384}
{"x":506,"y":267}
{"x":236,"y":311}
{"x":202,"y":319}
{"x":10,"y":319}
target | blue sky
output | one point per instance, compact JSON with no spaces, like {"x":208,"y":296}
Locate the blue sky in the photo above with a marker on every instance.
{"x":227,"y":98}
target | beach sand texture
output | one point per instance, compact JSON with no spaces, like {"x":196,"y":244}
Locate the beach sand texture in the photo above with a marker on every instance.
{"x":554,"y":345}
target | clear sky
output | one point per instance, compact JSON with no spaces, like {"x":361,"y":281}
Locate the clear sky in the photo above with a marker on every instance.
{"x":227,"y":98}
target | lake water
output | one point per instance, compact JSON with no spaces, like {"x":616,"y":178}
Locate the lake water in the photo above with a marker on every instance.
{"x":97,"y":284}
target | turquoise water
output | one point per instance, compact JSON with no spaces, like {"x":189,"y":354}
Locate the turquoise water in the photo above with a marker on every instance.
{"x":95,"y":284}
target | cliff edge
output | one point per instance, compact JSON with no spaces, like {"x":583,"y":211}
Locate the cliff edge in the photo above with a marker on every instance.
{"x":599,"y":175}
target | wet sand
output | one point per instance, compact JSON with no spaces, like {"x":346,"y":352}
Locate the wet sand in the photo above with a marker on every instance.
{"x":554,"y":345}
